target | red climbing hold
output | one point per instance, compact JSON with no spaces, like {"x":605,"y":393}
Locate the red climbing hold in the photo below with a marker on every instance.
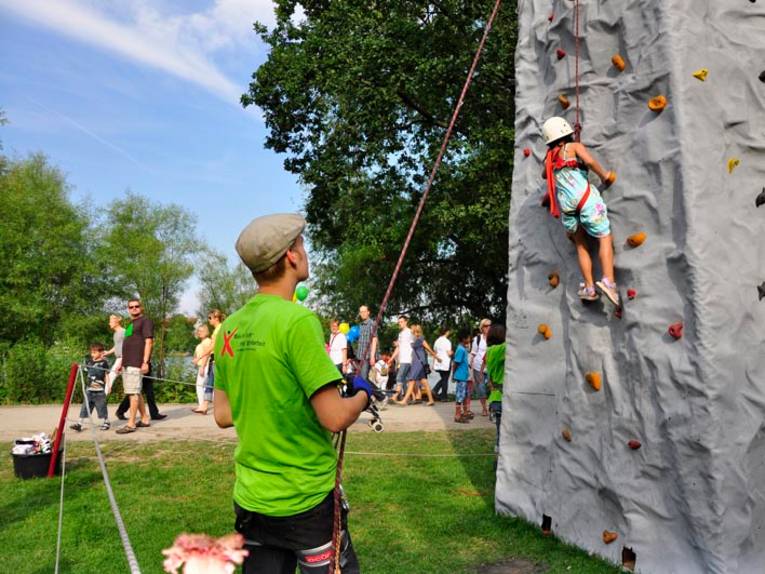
{"x":526,"y":152}
{"x":560,"y":53}
{"x":551,"y":17}
{"x":676,"y":330}
{"x":618,"y":312}
{"x":631,"y":294}
{"x":634,"y":444}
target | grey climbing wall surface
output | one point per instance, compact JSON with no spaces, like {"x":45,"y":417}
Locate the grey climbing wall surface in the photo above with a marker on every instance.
{"x":689,"y":495}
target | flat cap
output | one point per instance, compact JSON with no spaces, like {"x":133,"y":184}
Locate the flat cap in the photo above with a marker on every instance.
{"x":267,"y":238}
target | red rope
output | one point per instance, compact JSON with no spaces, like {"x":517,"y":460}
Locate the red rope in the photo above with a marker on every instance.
{"x":577,"y":125}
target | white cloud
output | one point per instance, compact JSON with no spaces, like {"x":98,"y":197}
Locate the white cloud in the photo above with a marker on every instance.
{"x":179,"y":44}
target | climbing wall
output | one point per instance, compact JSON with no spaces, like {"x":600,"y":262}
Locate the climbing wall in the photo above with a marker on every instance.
{"x":629,"y":436}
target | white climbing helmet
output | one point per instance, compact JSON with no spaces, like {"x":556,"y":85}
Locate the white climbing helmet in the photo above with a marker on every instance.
{"x":556,"y":128}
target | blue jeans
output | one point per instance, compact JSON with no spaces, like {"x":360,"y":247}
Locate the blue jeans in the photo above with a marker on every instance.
{"x":97,"y":400}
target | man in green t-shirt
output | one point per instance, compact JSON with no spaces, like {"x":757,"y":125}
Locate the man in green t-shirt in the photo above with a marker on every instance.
{"x":275,"y":383}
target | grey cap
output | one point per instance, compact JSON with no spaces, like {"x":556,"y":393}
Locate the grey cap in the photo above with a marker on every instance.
{"x":265,"y":239}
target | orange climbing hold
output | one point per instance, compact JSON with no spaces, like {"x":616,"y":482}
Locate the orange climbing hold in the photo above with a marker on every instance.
{"x":637,"y":239}
{"x":545,"y":331}
{"x":733,"y":164}
{"x":610,"y":178}
{"x":566,"y":434}
{"x":618,"y":62}
{"x":553,"y":279}
{"x":657,"y":104}
{"x":526,"y":152}
{"x":560,"y":53}
{"x":676,"y":330}
{"x":609,"y":537}
{"x":701,"y":74}
{"x":631,"y":294}
{"x":594,"y":380}
{"x":634,"y":444}
{"x":564,"y":103}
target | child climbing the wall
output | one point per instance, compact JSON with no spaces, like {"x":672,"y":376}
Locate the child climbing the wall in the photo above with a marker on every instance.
{"x":495,"y":369}
{"x":579,"y":205}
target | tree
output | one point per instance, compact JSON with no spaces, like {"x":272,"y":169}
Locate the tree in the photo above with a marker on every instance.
{"x":49,"y":276}
{"x":223,"y":286}
{"x":357,"y":96}
{"x":180,"y":334}
{"x":148,"y":249}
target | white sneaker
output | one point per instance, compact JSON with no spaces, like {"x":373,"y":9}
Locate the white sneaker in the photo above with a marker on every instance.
{"x":609,"y":290}
{"x":587,"y":294}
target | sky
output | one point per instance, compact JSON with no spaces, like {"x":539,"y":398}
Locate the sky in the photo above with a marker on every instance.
{"x":143,"y":96}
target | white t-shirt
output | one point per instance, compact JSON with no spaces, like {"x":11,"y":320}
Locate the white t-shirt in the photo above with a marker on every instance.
{"x":405,"y":346}
{"x":478,"y":352}
{"x":442,"y":347}
{"x":337,"y":342}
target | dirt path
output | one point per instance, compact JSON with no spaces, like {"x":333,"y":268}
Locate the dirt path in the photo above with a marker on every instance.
{"x":181,"y":423}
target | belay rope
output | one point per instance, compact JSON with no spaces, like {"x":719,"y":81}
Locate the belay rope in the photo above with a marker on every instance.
{"x":335,"y":569}
{"x":577,"y":124}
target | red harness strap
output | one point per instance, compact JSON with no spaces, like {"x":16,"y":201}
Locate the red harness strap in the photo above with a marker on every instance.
{"x":553,"y":163}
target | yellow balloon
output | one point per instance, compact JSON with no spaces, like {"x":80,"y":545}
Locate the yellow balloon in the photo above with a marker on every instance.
{"x":294,"y":298}
{"x":344,"y":328}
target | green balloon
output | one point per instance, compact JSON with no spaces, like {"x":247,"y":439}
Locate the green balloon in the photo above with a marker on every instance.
{"x":302,"y":293}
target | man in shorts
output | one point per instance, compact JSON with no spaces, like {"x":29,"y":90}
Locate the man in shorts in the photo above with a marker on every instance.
{"x":404,"y":353}
{"x":136,"y":354}
{"x":276,"y":385}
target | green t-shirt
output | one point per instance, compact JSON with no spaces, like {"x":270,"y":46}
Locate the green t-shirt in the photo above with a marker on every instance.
{"x":269,"y":360}
{"x":495,"y":367}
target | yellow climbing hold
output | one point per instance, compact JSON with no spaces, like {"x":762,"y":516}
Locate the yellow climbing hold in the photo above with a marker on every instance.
{"x":733,"y":164}
{"x":618,"y":62}
{"x":594,"y":380}
{"x":637,"y":239}
{"x":657,"y":104}
{"x":701,"y":74}
{"x":564,"y":103}
{"x":545,"y":331}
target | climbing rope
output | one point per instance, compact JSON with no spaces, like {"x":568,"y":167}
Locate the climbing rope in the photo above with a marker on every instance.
{"x":577,"y":124}
{"x":127,"y":547}
{"x":61,"y":501}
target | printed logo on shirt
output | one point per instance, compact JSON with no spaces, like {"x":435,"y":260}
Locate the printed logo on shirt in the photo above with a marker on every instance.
{"x":227,"y":349}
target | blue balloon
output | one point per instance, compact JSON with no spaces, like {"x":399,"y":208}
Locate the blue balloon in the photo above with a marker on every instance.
{"x":353,"y":334}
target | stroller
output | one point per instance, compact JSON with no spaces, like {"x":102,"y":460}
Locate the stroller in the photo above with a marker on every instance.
{"x":379,"y":399}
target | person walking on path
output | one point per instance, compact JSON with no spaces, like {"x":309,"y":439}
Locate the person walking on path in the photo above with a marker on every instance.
{"x":337,"y":346}
{"x":366,"y":347}
{"x":418,"y":373}
{"x":478,"y":367}
{"x":136,"y":357}
{"x":403,"y":352}
{"x":97,"y":368}
{"x":115,"y":324}
{"x":443,"y":364}
{"x":278,"y":388}
{"x":200,"y":360}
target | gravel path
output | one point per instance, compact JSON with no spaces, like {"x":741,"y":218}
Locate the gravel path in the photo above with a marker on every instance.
{"x":181,"y":423}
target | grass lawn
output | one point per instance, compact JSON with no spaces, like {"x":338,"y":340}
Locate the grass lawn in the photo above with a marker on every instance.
{"x":408,"y":514}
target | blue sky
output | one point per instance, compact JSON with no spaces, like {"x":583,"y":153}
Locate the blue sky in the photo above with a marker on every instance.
{"x":143,"y":95}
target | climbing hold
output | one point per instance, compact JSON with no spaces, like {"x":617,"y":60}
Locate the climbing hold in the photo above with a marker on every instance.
{"x":526,"y":152}
{"x":610,"y":179}
{"x":761,"y":290}
{"x":760,"y":198}
{"x":631,"y":294}
{"x":634,"y":444}
{"x":701,"y":74}
{"x":553,"y":279}
{"x":545,"y":331}
{"x":618,"y":312}
{"x":657,"y":104}
{"x":566,"y":434}
{"x":618,"y":62}
{"x":560,"y":53}
{"x":593,"y":379}
{"x":762,"y":77}
{"x":733,"y":164}
{"x":609,"y":537}
{"x":564,"y":103}
{"x":637,"y":239}
{"x":676,"y":330}
{"x":551,"y":17}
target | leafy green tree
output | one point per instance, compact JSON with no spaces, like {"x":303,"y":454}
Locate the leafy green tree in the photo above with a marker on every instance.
{"x":49,"y":275}
{"x":180,"y":334}
{"x":148,"y":248}
{"x":222,"y":286}
{"x":357,"y":95}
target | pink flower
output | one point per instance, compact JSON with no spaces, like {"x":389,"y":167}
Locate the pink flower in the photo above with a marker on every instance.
{"x":203,"y":554}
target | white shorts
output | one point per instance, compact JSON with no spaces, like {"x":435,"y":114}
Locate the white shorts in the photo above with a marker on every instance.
{"x":132,"y":380}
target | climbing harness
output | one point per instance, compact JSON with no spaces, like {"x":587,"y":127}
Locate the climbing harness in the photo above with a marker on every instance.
{"x":554,"y":162}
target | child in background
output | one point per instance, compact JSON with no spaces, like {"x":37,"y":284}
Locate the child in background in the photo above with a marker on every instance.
{"x":97,"y":367}
{"x":579,"y":204}
{"x":461,"y":376}
{"x":495,"y":368}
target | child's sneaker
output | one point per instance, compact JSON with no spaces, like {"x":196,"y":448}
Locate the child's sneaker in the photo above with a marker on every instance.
{"x":105,"y":425}
{"x":76,"y":427}
{"x":609,"y":290}
{"x":587,"y":293}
